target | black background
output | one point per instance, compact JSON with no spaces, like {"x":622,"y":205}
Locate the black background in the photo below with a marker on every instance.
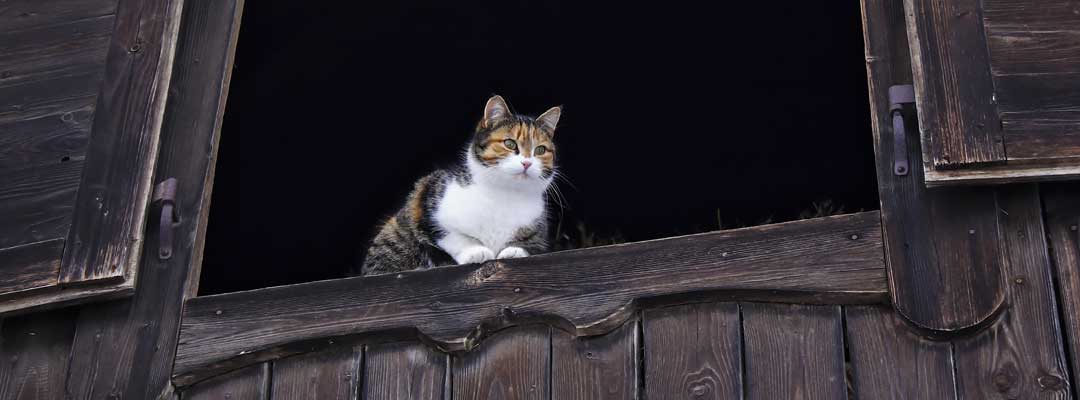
{"x":674,"y":112}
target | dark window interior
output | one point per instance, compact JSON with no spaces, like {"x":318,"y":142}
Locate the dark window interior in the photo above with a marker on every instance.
{"x":678,"y":115}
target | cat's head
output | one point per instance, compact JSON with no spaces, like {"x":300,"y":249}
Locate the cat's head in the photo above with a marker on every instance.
{"x":514,"y":149}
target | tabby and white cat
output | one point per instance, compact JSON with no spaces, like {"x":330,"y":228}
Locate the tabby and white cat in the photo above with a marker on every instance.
{"x":492,"y":205}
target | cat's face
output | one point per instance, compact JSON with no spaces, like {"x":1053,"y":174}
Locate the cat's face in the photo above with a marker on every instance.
{"x":516,"y":148}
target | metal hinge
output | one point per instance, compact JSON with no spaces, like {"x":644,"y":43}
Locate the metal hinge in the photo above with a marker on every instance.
{"x":899,"y":95}
{"x":165,"y":199}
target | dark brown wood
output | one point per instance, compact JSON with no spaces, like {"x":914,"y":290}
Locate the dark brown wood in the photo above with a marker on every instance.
{"x":957,"y":118}
{"x":693,"y":352}
{"x":890,"y":361}
{"x":251,"y":383}
{"x":33,"y":355}
{"x":1062,"y":211}
{"x":404,"y":370}
{"x":30,"y":266}
{"x":793,"y":352}
{"x":941,"y":245}
{"x":107,"y":225}
{"x":52,"y":139}
{"x":1022,"y":354}
{"x":829,"y":260}
{"x":513,"y":364}
{"x":333,"y":374}
{"x":36,"y":203}
{"x":52,"y":51}
{"x":148,"y":322}
{"x":22,"y":14}
{"x":596,"y":368}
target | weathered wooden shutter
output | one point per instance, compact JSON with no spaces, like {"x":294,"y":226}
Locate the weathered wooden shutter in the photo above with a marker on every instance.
{"x":82,"y":93}
{"x":998,"y":88}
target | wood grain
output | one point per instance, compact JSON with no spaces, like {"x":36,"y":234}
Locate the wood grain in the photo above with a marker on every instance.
{"x":957,"y":118}
{"x":513,"y":364}
{"x":599,"y":367}
{"x":587,"y":292}
{"x":50,"y":139}
{"x":404,"y":370}
{"x":329,"y":375}
{"x":1022,"y":353}
{"x":1062,"y":211}
{"x":23,"y":14}
{"x":148,"y":322}
{"x":793,"y":352}
{"x":33,"y":355}
{"x":1033,"y":15}
{"x":693,"y":352}
{"x":933,"y":284}
{"x":30,"y":266}
{"x":890,"y":361}
{"x":53,"y":51}
{"x":36,"y":203}
{"x":107,"y":225}
{"x":251,"y":383}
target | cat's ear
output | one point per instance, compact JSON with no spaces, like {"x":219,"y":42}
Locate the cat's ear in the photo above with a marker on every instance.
{"x":550,"y":118}
{"x":494,"y":111}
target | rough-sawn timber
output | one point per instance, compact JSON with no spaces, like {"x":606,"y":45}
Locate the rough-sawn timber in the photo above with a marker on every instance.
{"x":834,"y":260}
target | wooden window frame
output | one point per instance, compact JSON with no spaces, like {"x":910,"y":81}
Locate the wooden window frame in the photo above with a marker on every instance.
{"x":99,"y":257}
{"x":984,"y":110}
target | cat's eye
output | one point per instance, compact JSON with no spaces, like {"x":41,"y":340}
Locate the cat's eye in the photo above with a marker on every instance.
{"x":510,"y":144}
{"x":540,"y":150}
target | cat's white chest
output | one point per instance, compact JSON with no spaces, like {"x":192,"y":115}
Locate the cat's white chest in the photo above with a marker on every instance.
{"x":491,"y":216}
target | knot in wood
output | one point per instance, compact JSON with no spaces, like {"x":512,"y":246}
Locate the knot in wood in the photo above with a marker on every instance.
{"x":699,"y":390}
{"x":1051,"y":382}
{"x":1005,"y":378}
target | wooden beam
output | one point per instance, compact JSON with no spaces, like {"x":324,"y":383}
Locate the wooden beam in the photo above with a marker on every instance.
{"x":942,"y":245}
{"x":833,"y":260}
{"x":957,"y":117}
{"x":148,"y":322}
{"x":1063,"y":227}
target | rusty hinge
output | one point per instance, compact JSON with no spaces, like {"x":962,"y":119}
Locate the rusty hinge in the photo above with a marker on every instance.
{"x":898,"y":96}
{"x":165,"y":199}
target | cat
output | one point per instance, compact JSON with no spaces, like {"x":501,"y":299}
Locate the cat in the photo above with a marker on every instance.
{"x":493,"y":205}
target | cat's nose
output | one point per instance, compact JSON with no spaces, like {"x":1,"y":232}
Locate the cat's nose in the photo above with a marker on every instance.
{"x":526,"y":164}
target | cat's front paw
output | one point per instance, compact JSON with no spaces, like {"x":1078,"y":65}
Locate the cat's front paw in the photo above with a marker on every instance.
{"x":474,"y":254}
{"x":513,"y":252}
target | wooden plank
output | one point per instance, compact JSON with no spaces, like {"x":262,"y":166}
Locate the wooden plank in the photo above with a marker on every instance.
{"x":1021,"y":355}
{"x":890,"y":361}
{"x":332,"y":374}
{"x":149,"y":321}
{"x":107,"y":225}
{"x":1034,"y":15}
{"x":793,"y":352}
{"x":1019,"y":93}
{"x":42,"y":53}
{"x":36,"y":99}
{"x":22,"y":14}
{"x":829,"y":260}
{"x":957,"y":117}
{"x":251,"y":383}
{"x":933,"y":285}
{"x":404,"y":370}
{"x":36,"y":204}
{"x":513,"y":364}
{"x":33,"y":355}
{"x":30,"y":266}
{"x":598,"y":367}
{"x":1025,"y":51}
{"x":1062,"y":202}
{"x":50,"y":139}
{"x":1003,"y":174}
{"x":693,"y":351}
{"x":1042,"y":134}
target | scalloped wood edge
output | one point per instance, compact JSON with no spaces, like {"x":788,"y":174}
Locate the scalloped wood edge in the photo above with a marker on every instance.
{"x":833,"y":260}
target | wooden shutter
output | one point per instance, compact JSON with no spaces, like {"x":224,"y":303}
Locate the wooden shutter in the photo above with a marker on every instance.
{"x":998,"y":88}
{"x":82,"y":92}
